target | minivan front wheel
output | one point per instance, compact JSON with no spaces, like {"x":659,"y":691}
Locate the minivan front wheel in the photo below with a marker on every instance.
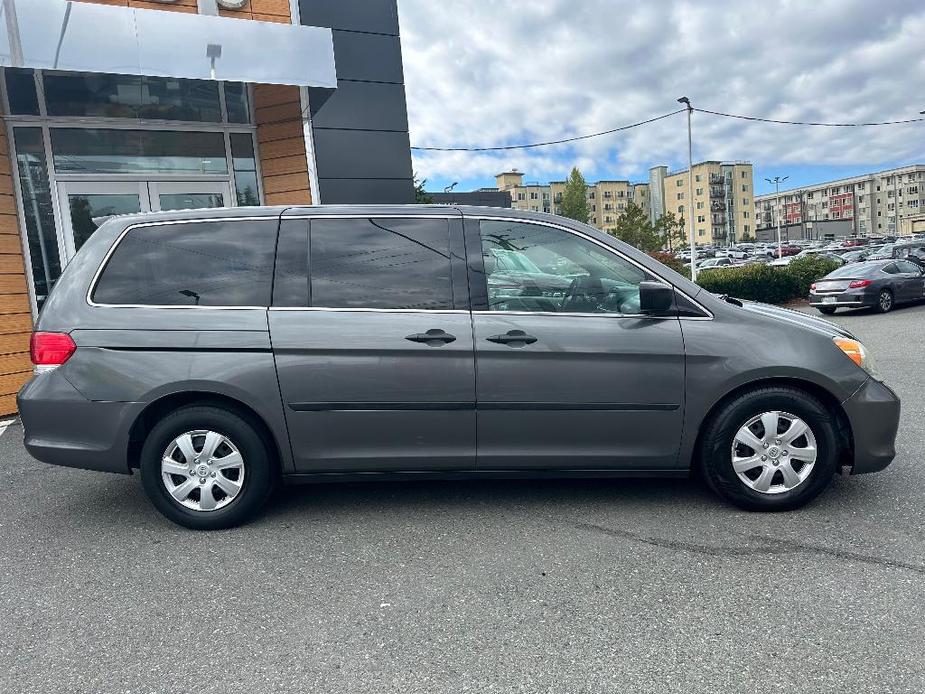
{"x":770,"y":449}
{"x":206,"y":468}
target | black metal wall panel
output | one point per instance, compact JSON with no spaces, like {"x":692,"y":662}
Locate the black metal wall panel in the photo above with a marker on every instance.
{"x":368,"y":57}
{"x":360,"y":130}
{"x":366,"y":154}
{"x":364,"y":106}
{"x":372,"y":16}
{"x":374,"y":191}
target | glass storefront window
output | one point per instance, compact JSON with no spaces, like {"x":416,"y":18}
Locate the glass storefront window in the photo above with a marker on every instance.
{"x":236,"y":102}
{"x":245,"y":169}
{"x":86,"y":150}
{"x":37,"y":210}
{"x":89,"y":95}
{"x":20,"y":90}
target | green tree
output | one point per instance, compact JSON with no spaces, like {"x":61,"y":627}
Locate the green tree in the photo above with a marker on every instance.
{"x":747,"y":238}
{"x":671,"y":230}
{"x":634,"y":228}
{"x":575,"y":198}
{"x":421,"y":196}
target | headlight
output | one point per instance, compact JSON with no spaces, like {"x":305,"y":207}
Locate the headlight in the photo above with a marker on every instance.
{"x":856,"y":352}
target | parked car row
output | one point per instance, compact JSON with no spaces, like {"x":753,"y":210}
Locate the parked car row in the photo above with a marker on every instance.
{"x":845,"y":252}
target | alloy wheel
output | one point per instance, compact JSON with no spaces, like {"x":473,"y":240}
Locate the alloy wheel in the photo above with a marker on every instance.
{"x":202,"y":470}
{"x":886,"y":301}
{"x":774,"y":452}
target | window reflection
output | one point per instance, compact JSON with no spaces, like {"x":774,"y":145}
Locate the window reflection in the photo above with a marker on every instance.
{"x":83,"y":150}
{"x":20,"y":90}
{"x":245,"y":169}
{"x":37,"y":210}
{"x":202,"y":264}
{"x":532,"y":267}
{"x":99,"y":95}
{"x":380,"y":263}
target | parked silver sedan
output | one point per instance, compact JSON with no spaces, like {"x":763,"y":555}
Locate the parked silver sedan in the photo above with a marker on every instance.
{"x":879,"y":284}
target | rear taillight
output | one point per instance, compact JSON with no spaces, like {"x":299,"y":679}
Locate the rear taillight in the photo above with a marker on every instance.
{"x":51,"y":349}
{"x":857,"y":284}
{"x":812,"y":286}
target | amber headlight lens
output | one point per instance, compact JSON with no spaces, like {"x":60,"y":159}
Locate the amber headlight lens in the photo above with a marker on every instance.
{"x":855,"y":351}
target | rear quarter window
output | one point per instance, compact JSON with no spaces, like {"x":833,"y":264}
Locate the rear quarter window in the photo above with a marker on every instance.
{"x":220,"y":263}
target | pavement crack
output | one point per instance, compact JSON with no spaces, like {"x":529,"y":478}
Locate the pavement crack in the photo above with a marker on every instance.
{"x":768,"y":546}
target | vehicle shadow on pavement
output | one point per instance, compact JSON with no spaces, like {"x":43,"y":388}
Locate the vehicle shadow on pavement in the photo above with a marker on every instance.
{"x":120,"y":500}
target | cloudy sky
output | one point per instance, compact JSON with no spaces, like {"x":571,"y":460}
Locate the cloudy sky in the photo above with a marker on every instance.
{"x":499,"y":72}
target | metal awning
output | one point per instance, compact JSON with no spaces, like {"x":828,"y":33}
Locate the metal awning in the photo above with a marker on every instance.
{"x":85,"y":37}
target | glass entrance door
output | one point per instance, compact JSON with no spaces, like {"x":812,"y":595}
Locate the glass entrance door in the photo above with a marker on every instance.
{"x":189,"y":196}
{"x":85,"y":205}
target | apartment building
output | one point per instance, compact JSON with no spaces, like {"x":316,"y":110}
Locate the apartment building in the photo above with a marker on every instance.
{"x":876,"y":203}
{"x":722,"y":200}
{"x":607,"y":200}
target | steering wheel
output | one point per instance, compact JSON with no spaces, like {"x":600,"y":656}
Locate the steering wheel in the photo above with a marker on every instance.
{"x":584,"y":295}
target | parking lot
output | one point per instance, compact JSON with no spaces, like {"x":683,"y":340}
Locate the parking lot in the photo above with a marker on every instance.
{"x":577,"y":586}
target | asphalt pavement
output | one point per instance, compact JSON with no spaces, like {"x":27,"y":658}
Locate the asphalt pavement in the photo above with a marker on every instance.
{"x":577,"y":586}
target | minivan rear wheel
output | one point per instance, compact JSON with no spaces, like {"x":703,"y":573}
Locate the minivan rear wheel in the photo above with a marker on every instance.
{"x":770,"y":449}
{"x":206,"y":468}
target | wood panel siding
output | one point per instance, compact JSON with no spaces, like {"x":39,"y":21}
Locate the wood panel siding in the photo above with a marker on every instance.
{"x":15,"y":315}
{"x":281,"y":145}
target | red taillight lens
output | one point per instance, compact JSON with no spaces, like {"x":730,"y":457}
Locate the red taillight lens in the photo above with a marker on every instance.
{"x":51,"y":349}
{"x":812,"y":286}
{"x":857,"y":284}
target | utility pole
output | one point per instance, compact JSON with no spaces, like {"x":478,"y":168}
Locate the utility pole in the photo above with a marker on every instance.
{"x":895,"y":204}
{"x":690,"y":188}
{"x":777,"y":181}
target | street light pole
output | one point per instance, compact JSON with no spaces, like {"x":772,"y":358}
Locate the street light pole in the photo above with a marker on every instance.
{"x":690,"y":189}
{"x":777,"y":181}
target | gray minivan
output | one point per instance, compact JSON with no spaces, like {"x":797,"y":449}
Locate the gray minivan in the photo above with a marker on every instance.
{"x":220,"y":352}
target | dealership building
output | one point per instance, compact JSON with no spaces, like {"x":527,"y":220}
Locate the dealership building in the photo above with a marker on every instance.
{"x":122,"y":106}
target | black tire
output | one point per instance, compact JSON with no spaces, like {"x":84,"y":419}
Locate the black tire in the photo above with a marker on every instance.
{"x":259,"y":477}
{"x":718,"y":436}
{"x":885,"y":301}
{"x":827,"y":310}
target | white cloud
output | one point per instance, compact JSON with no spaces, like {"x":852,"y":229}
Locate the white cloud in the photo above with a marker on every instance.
{"x":496,"y":72}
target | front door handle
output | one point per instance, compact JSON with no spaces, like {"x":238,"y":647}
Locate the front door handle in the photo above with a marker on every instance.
{"x":514,"y":338}
{"x":432,"y":338}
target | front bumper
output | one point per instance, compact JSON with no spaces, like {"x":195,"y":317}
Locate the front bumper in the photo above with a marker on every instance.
{"x":873,"y":412}
{"x":62,"y":427}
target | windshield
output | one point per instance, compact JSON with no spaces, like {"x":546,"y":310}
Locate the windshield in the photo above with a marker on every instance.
{"x":882,"y":253}
{"x":514,"y":261}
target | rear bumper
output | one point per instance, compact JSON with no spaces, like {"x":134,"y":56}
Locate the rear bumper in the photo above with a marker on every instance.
{"x":873,"y":412}
{"x":62,"y":427}
{"x":847,"y":298}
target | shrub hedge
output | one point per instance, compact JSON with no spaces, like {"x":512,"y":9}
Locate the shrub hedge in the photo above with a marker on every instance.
{"x":772,"y":285}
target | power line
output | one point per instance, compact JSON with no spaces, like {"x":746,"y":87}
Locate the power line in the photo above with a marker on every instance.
{"x":816,"y":124}
{"x":661,"y":117}
{"x":552,"y":142}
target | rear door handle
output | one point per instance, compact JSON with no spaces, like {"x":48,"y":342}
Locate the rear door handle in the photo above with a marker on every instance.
{"x":514,"y":338}
{"x":432,"y":338}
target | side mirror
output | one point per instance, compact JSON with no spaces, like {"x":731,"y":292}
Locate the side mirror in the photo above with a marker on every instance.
{"x":655,"y":297}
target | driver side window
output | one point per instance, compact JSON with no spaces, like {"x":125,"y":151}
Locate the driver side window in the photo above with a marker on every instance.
{"x":533,"y":267}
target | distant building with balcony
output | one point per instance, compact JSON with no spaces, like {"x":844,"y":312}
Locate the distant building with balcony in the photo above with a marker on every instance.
{"x":871,"y":204}
{"x":722,"y":202}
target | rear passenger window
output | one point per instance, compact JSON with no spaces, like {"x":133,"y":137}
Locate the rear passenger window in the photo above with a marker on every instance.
{"x":380,"y":263}
{"x":227,"y":263}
